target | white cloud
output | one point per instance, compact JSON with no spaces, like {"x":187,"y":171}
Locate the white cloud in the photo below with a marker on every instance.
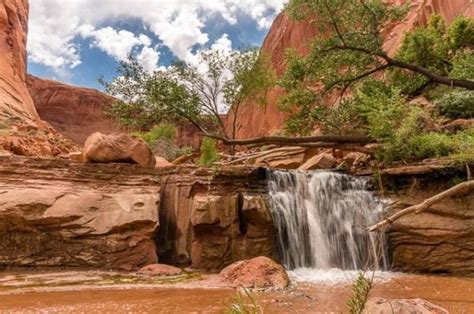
{"x":116,"y":43}
{"x":54,"y":25}
{"x":148,"y":58}
{"x":222,"y":44}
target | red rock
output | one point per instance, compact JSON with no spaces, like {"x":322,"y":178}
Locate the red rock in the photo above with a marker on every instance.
{"x":159,"y":270}
{"x":15,"y":101}
{"x":259,"y":272}
{"x":356,"y":158}
{"x":321,"y":161}
{"x":402,"y":306}
{"x":161,"y":162}
{"x":118,"y":148}
{"x":22,"y":131}
{"x":73,"y":111}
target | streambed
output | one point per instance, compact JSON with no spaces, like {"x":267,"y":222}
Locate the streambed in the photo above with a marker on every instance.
{"x":92,"y":291}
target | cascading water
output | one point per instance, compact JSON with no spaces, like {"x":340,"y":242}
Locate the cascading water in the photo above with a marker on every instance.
{"x":322,"y":218}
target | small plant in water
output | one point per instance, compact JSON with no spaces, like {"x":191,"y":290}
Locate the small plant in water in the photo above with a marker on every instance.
{"x":360,"y":293}
{"x":244,"y":304}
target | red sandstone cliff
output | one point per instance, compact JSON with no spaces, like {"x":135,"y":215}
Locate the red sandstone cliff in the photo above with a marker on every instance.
{"x":255,"y":120}
{"x":73,"y":111}
{"x":15,"y":101}
{"x":21,"y":130}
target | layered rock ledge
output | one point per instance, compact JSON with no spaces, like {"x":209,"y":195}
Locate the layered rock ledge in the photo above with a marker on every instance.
{"x":440,"y":239}
{"x":65,"y":213}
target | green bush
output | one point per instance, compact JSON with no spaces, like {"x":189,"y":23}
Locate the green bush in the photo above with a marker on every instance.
{"x":161,"y":132}
{"x":457,"y":104}
{"x":209,"y":153}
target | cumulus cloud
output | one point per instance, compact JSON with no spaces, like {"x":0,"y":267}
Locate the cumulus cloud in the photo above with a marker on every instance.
{"x":149,"y":58}
{"x":116,"y":43}
{"x":56,"y":24}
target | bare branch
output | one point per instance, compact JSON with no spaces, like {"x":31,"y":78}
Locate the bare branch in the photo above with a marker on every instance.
{"x":426,"y":204}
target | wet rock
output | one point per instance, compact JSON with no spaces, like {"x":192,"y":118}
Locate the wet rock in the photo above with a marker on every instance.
{"x":259,"y":272}
{"x":117,"y":148}
{"x":158,"y":270}
{"x":321,"y":161}
{"x":402,"y":306}
{"x":214,"y":218}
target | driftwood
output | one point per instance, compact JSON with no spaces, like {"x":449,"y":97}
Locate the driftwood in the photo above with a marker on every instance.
{"x":461,"y":188}
{"x":184,"y":158}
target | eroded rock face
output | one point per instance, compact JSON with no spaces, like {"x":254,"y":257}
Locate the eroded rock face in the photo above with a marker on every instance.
{"x":402,"y":306}
{"x":21,"y":130}
{"x":213,"y":219}
{"x":15,"y":101}
{"x":117,"y":147}
{"x":259,"y":272}
{"x":58,"y":213}
{"x":73,"y":111}
{"x":439,"y":240}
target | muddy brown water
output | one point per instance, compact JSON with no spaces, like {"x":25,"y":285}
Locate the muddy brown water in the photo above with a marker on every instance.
{"x":452,"y":293}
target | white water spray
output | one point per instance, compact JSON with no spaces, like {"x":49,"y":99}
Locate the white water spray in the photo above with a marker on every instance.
{"x":322,"y":218}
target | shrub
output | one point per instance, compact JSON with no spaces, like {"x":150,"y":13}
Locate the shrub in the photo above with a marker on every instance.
{"x":242,"y":306}
{"x":161,"y":132}
{"x":209,"y":153}
{"x":457,"y":104}
{"x":360,"y":293}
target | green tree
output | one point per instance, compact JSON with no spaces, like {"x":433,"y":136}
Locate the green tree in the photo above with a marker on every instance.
{"x":197,"y":92}
{"x":352,"y":51}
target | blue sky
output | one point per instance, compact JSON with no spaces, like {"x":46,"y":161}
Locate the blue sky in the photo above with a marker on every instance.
{"x":76,"y":41}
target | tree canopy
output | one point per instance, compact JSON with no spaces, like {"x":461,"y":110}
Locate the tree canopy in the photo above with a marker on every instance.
{"x":198,"y":92}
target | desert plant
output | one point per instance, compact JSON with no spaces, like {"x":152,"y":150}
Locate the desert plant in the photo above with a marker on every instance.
{"x":209,"y":153}
{"x":244,"y":304}
{"x":360,"y":293}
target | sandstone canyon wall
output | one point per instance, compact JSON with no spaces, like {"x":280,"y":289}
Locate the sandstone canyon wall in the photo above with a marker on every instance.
{"x":21,"y":130}
{"x":15,"y":101}
{"x":73,"y":111}
{"x":257,"y":120}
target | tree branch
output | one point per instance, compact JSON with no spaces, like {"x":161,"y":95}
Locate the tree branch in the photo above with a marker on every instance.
{"x":265,"y":140}
{"x":426,"y":204}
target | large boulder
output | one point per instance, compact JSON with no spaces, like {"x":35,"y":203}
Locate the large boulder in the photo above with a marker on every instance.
{"x":259,"y":272}
{"x":402,"y":306}
{"x":118,"y":147}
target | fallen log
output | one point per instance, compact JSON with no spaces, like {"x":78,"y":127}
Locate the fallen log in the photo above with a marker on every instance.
{"x":461,"y":188}
{"x":282,"y":140}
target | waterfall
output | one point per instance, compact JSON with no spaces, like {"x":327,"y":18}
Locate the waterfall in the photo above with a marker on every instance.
{"x":322,"y":218}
